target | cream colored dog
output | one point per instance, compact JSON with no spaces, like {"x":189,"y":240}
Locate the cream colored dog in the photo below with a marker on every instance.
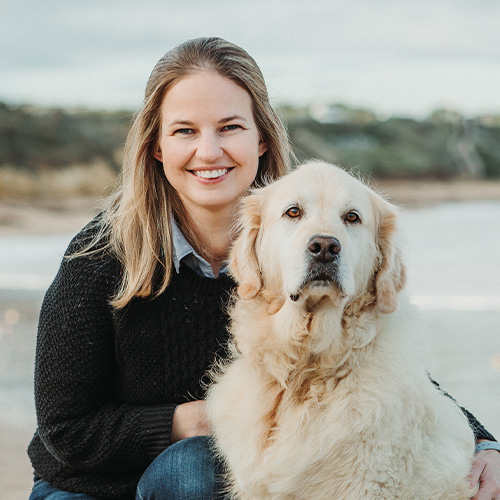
{"x":324,"y":396}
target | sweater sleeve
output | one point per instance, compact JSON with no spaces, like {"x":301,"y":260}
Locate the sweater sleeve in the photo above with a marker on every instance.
{"x":80,"y":421}
{"x":479,"y":431}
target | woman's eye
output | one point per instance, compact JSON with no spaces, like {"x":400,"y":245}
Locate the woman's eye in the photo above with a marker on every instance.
{"x":184,"y":131}
{"x":352,"y":217}
{"x":231,"y":127}
{"x":293,"y":212}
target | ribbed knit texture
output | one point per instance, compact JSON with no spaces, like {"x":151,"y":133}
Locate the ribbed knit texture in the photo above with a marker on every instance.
{"x":107,"y":381}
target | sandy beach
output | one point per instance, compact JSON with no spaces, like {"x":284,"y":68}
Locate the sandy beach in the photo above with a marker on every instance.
{"x":466,"y":364}
{"x":60,"y":215}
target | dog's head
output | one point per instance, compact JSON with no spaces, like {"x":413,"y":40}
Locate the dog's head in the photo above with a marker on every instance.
{"x":318,"y":232}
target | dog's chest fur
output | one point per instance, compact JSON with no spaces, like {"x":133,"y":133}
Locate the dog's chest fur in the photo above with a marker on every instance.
{"x":325,"y":395}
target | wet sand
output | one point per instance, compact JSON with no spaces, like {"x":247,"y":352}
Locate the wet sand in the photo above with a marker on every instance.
{"x":465,"y":344}
{"x":21,"y":217}
{"x":46,"y":216}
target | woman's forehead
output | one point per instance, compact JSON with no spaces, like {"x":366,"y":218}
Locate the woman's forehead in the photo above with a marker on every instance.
{"x":205,"y":90}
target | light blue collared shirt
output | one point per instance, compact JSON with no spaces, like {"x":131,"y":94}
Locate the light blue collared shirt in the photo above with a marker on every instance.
{"x":185,"y":253}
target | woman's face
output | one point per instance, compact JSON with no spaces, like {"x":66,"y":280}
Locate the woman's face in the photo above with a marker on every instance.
{"x":209,"y":142}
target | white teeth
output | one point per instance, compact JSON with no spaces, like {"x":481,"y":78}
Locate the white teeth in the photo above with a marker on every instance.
{"x":210,"y":174}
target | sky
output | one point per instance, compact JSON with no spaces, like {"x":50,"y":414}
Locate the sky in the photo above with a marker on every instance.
{"x":391,"y":56}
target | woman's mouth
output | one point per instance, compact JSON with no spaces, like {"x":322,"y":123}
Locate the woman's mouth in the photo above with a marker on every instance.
{"x":211,"y":174}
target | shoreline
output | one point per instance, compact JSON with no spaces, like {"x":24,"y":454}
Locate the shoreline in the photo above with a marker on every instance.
{"x":21,"y":216}
{"x":415,"y":193}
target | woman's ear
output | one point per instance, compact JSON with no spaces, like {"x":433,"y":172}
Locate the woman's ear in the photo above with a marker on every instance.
{"x":158,"y":154}
{"x":243,"y":261}
{"x":262,"y":147}
{"x":391,"y":275}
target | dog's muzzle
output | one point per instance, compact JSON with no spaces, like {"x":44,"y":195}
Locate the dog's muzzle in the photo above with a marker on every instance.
{"x":323,"y":253}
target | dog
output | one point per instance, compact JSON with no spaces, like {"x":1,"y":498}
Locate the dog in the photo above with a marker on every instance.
{"x":323,"y":395}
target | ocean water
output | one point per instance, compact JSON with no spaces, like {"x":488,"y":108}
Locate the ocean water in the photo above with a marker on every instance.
{"x":453,"y":255}
{"x":30,"y":262}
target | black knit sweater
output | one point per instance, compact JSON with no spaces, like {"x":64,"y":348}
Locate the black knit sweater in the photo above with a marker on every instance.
{"x":107,"y":381}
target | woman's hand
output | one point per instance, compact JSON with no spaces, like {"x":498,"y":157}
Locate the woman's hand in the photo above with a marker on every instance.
{"x":190,"y":419}
{"x":486,"y":470}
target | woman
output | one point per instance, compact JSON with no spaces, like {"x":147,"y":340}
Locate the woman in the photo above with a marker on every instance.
{"x":136,"y":314}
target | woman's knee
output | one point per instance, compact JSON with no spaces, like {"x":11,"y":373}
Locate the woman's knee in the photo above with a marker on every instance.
{"x":184,"y":471}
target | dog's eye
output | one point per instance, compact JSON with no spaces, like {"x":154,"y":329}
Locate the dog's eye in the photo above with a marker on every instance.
{"x":294,"y":212}
{"x":352,"y":217}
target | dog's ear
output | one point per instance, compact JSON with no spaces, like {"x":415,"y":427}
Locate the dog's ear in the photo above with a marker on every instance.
{"x":243,"y":257}
{"x":391,"y":275}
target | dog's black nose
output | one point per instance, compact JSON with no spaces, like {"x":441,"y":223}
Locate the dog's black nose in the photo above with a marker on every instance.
{"x":324,"y":248}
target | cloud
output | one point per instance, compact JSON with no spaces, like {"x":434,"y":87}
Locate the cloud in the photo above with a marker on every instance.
{"x":100,"y":53}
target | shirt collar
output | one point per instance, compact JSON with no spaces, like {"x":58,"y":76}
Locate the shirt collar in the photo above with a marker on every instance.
{"x":185,"y":253}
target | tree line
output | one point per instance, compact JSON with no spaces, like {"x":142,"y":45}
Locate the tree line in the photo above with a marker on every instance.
{"x":444,"y":145}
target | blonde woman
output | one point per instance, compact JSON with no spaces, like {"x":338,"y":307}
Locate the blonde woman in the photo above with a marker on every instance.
{"x":136,"y":312}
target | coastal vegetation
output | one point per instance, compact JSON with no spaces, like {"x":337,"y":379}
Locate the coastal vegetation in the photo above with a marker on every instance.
{"x":66,"y":152}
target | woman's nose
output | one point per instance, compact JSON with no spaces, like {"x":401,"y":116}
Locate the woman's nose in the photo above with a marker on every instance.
{"x":209,"y":148}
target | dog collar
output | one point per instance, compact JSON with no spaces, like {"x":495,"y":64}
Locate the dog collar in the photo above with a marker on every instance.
{"x":487,"y":445}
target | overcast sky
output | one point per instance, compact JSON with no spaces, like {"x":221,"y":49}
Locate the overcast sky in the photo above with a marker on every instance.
{"x":393,"y":56}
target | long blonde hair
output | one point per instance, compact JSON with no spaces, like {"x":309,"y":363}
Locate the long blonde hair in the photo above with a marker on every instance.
{"x":136,"y":222}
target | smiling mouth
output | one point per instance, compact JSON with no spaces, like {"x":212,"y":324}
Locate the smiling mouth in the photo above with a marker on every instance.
{"x":211,"y":174}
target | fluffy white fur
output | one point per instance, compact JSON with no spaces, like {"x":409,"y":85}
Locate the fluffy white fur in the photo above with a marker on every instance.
{"x":324,"y":396}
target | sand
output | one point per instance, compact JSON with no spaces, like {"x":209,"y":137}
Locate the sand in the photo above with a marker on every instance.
{"x":20,"y":216}
{"x":45,"y":216}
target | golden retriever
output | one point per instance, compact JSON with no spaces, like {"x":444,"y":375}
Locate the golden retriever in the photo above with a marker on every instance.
{"x":323,"y":396}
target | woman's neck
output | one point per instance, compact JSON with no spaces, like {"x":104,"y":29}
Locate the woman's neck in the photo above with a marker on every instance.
{"x":213,"y":239}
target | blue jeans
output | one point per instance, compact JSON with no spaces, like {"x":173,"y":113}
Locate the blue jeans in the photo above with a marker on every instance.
{"x":42,"y":490}
{"x":187,"y":470}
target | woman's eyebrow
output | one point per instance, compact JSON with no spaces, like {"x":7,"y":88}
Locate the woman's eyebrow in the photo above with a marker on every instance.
{"x":180,"y":122}
{"x":231,"y":118}
{"x":222,"y":120}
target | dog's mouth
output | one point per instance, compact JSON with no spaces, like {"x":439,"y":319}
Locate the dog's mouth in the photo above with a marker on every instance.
{"x":320,"y":277}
